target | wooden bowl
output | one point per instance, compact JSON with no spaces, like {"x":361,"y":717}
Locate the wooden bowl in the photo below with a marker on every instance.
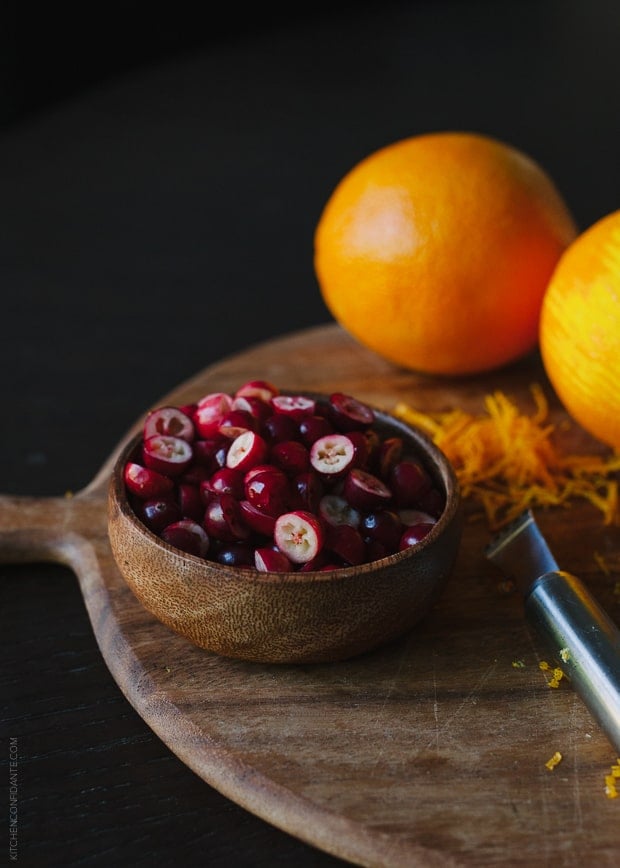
{"x":289,"y":617}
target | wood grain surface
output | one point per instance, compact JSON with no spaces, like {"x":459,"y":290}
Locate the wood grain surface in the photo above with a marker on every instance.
{"x":430,"y":751}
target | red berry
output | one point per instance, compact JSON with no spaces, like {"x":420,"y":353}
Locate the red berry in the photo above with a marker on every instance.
{"x":236,"y":554}
{"x":158,"y":512}
{"x":188,"y":536}
{"x":146,"y":483}
{"x":259,"y":410}
{"x":279,"y":427}
{"x":267,"y":488}
{"x":346,"y":542}
{"x":365,"y":491}
{"x":296,"y":406}
{"x":313,"y":427}
{"x":270,"y":560}
{"x":349,"y":414}
{"x":390,"y":453}
{"x":166,"y":454}
{"x":225,"y":480}
{"x":257,"y":520}
{"x":415,"y":534}
{"x":190,"y":501}
{"x":383,"y":526}
{"x":299,"y":535}
{"x":262,"y":389}
{"x":408,"y":481}
{"x":309,"y":490}
{"x":235,"y":422}
{"x":335,"y":510}
{"x":210,"y":411}
{"x":223,"y":519}
{"x":170,"y":421}
{"x":291,"y":456}
{"x":332,"y":455}
{"x":246,"y":451}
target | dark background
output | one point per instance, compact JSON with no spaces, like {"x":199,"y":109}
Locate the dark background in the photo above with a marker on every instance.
{"x":161,"y":176}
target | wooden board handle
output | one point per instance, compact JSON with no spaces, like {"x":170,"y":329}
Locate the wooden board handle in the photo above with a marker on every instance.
{"x":35,"y":529}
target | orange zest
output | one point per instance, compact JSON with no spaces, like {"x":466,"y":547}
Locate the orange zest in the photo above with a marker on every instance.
{"x":507,"y":461}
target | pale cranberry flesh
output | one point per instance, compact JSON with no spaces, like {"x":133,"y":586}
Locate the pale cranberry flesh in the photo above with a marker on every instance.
{"x":332,"y":455}
{"x":246,"y":451}
{"x":171,"y":421}
{"x":299,"y":535}
{"x":166,"y":454}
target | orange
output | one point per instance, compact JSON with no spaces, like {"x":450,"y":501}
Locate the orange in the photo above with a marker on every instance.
{"x":580,"y":330}
{"x":435,"y":251}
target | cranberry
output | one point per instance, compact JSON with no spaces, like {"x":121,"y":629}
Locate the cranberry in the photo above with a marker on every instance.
{"x":279,"y":427}
{"x":236,"y":554}
{"x":188,"y":536}
{"x":208,"y":452}
{"x":257,"y":520}
{"x":390,"y":452}
{"x":295,"y":406}
{"x":383,"y":526}
{"x":223,"y":519}
{"x":334,"y":510}
{"x":432,"y":501}
{"x":210,"y":411}
{"x":262,"y":389}
{"x":309,"y":490}
{"x":258,"y":409}
{"x":267,"y":488}
{"x":346,"y":542}
{"x":270,"y":560}
{"x":170,"y":421}
{"x":225,"y":480}
{"x":365,"y":491}
{"x":166,"y":454}
{"x":291,"y":456}
{"x":415,"y":534}
{"x":349,"y":414}
{"x":299,"y":535}
{"x":361,"y":448}
{"x":246,"y":451}
{"x":313,"y":427}
{"x":235,"y":422}
{"x":190,"y":501}
{"x":332,"y":455}
{"x":158,"y":512}
{"x":408,"y":481}
{"x":146,"y":483}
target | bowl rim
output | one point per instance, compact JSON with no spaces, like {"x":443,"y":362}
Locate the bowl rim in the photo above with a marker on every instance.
{"x":434,"y":459}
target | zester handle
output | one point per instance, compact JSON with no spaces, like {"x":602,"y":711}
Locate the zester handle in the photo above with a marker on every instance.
{"x":585,"y":642}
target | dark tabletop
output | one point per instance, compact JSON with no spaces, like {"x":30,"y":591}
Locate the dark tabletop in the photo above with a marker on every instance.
{"x":159,"y":187}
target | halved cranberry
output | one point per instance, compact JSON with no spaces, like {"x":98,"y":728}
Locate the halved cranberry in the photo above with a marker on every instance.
{"x":349,"y":414}
{"x":235,"y":422}
{"x":210,"y":411}
{"x":223,"y":519}
{"x":365,"y":491}
{"x":332,"y":455}
{"x":267,"y":488}
{"x":262,"y":389}
{"x":410,"y":517}
{"x":257,"y":520}
{"x":270,"y":560}
{"x":158,"y":512}
{"x":291,"y":456}
{"x":144,"y":482}
{"x":335,"y":510}
{"x":246,"y":451}
{"x":299,"y":535}
{"x":188,"y":536}
{"x":346,"y":542}
{"x":415,"y":534}
{"x":296,"y":406}
{"x":258,"y":409}
{"x":166,"y":454}
{"x":170,"y":421}
{"x":390,"y":453}
{"x":408,"y":481}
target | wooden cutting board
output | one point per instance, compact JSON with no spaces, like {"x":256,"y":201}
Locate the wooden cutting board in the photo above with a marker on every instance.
{"x":429,"y":752}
